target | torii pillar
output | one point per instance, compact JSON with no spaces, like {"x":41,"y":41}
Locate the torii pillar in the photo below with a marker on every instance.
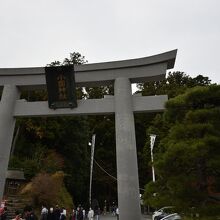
{"x":7,"y":123}
{"x":127,"y":168}
{"x":123,"y":104}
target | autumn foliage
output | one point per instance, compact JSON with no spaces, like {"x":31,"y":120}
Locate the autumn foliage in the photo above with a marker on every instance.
{"x":48,"y":190}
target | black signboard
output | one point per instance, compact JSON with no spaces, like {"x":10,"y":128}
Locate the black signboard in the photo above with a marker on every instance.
{"x":61,"y":87}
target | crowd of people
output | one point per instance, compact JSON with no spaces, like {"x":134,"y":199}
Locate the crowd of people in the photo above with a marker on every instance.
{"x":26,"y":214}
{"x":56,"y":213}
{"x":76,"y":214}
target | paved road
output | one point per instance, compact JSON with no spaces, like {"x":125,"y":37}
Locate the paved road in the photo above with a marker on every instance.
{"x":110,"y":217}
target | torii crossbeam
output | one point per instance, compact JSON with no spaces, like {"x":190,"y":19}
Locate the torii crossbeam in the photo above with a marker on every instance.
{"x":122,"y":104}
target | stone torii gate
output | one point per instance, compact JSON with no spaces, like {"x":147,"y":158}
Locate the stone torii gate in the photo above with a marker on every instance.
{"x":123,"y":104}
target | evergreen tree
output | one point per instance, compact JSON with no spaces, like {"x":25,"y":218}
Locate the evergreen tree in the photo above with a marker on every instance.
{"x":187,"y":159}
{"x":174,"y":84}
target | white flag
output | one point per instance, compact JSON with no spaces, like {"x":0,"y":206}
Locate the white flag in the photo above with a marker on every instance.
{"x":152,"y":140}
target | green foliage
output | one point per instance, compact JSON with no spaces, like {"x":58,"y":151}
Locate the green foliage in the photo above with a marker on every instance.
{"x":175,"y":84}
{"x":43,"y":160}
{"x":53,"y":144}
{"x":30,"y":168}
{"x":189,"y":154}
{"x":104,"y":187}
{"x":75,"y":58}
{"x":47,"y":145}
{"x":15,"y":162}
{"x":65,"y":199}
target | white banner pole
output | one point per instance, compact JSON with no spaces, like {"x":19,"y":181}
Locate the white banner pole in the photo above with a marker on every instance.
{"x":91,"y":168}
{"x":152,"y":140}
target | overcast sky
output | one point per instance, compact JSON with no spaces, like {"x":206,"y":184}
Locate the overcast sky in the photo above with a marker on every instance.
{"x":37,"y":32}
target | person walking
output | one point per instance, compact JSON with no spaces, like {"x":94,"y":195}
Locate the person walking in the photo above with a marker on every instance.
{"x":79,"y":214}
{"x":51,"y":214}
{"x":73,"y":215}
{"x":113,"y":209}
{"x":84,"y":213}
{"x":117,"y":213}
{"x":97,"y":213}
{"x":17,"y":216}
{"x":29,"y":213}
{"x":44,"y":213}
{"x":90,"y":214}
{"x":63,"y":214}
{"x":4,"y":213}
{"x":57,"y":213}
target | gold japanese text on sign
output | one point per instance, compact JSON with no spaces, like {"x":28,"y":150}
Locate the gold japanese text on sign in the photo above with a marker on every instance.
{"x":62,"y":91}
{"x":61,"y":87}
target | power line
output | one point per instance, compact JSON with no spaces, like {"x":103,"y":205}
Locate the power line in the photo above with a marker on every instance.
{"x":109,"y":173}
{"x":105,"y":170}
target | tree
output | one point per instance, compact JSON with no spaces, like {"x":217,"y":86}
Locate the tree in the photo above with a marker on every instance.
{"x":48,"y":189}
{"x":63,"y":139}
{"x":174,"y":84}
{"x":188,"y":156}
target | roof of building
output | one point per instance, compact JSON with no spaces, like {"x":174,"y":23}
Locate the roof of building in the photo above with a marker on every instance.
{"x":15,"y":174}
